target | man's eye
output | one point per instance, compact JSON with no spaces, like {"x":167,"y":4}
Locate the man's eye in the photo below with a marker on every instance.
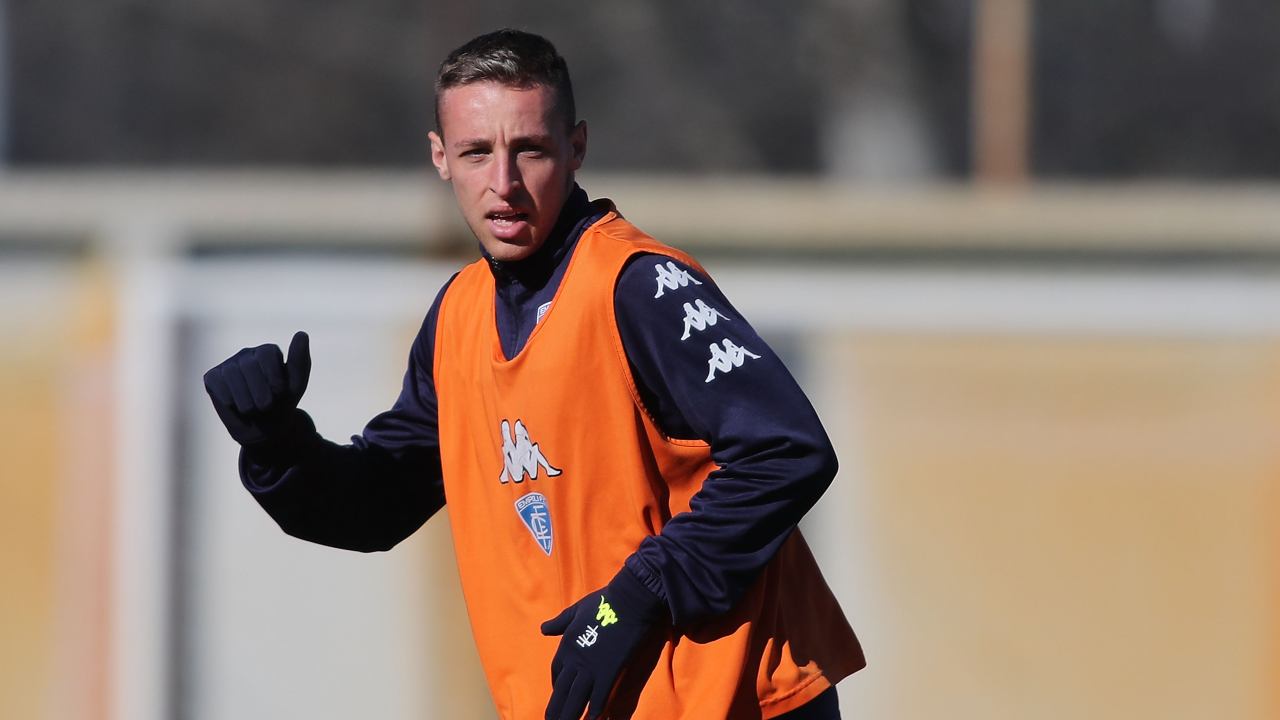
{"x":531,"y":152}
{"x":474,"y":153}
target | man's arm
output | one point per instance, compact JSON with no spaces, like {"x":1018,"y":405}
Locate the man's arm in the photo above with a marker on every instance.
{"x":702,"y":372}
{"x":367,"y":495}
{"x":705,"y":373}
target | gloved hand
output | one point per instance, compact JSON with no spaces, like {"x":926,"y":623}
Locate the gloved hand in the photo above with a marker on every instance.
{"x":602,"y":632}
{"x":256,"y":393}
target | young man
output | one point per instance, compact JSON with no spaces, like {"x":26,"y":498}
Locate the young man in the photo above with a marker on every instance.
{"x":624,"y":458}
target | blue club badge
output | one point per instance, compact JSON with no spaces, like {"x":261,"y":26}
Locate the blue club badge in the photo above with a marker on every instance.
{"x":537,"y":517}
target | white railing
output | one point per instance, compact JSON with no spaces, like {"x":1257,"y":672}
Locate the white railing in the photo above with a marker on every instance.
{"x":415,"y":209}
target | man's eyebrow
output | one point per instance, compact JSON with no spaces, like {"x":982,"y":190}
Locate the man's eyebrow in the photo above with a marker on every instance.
{"x":471,"y":142}
{"x":519,"y":140}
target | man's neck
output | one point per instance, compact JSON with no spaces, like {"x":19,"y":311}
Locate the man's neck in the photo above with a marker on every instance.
{"x":535,"y":270}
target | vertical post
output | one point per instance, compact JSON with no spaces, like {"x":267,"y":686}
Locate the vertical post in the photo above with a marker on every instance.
{"x":4,"y":85}
{"x":144,"y":345}
{"x":1001,"y":105}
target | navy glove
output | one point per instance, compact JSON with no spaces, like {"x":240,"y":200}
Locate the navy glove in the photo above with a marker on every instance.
{"x":602,"y":633}
{"x":256,"y":393}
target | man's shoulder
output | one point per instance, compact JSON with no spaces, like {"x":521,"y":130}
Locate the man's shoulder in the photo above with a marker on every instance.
{"x":633,"y":244}
{"x":472,"y":272}
{"x":614,"y":226}
{"x":652,"y":276}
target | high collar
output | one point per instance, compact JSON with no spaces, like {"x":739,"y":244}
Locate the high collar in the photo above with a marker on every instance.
{"x":535,"y":270}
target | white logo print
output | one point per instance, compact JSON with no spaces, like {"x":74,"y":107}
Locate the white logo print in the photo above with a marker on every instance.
{"x":542,"y":310}
{"x":671,"y":277}
{"x":588,"y":638}
{"x":730,"y":357}
{"x":521,"y":456}
{"x":699,"y":319}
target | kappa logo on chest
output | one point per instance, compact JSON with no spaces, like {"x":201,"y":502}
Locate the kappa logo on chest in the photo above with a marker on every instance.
{"x":522,"y":456}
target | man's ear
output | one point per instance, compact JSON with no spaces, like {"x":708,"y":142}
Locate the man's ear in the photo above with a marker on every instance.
{"x":438,"y":157}
{"x":578,"y":141}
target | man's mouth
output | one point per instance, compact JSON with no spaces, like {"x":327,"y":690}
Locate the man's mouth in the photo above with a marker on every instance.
{"x":506,"y":218}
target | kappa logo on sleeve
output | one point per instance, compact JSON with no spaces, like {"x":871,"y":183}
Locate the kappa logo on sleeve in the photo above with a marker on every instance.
{"x":521,"y":456}
{"x":727,"y":358}
{"x":671,"y":277}
{"x":533,"y":510}
{"x":699,"y":318}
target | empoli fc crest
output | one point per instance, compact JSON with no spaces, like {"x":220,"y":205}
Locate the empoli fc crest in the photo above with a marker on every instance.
{"x":537,"y":517}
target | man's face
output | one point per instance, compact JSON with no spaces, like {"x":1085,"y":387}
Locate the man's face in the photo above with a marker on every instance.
{"x":510,"y":157}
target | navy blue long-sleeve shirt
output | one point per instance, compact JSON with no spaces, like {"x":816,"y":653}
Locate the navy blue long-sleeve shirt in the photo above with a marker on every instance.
{"x":773,"y":455}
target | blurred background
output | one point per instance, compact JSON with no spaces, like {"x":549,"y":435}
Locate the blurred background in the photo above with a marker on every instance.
{"x":1022,"y":254}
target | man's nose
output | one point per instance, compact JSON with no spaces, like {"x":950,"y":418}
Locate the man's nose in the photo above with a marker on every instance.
{"x":506,"y":176}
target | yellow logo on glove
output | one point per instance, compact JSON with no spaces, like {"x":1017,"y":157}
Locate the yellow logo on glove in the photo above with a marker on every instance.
{"x":605,"y":614}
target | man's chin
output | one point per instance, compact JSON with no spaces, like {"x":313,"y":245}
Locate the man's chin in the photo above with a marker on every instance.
{"x":512,"y":250}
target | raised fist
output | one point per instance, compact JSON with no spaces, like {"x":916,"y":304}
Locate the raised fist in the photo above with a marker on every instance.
{"x":255,"y":391}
